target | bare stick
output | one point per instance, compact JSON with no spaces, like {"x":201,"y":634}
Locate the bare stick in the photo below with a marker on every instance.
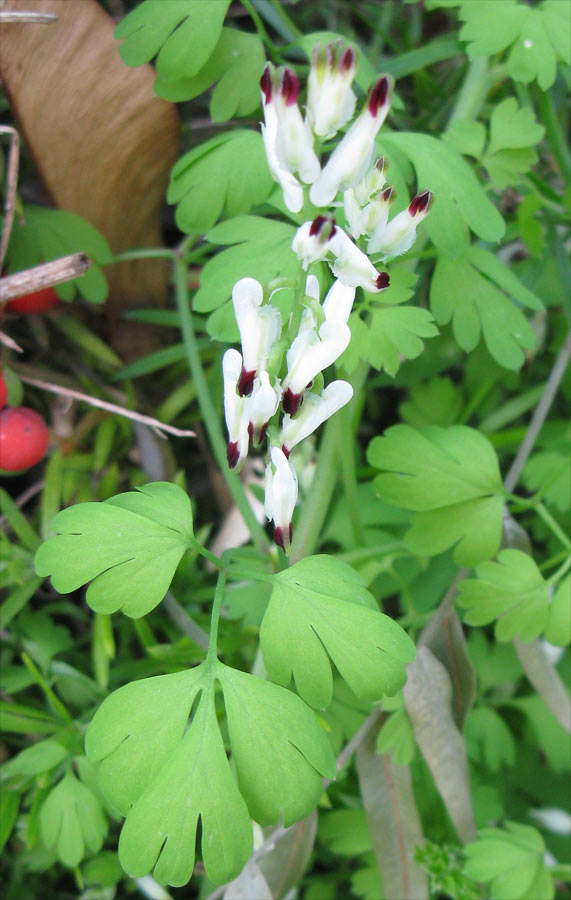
{"x":11,"y":185}
{"x":539,"y":415}
{"x":9,"y":342}
{"x":35,"y":18}
{"x":46,"y":275}
{"x":158,"y":427}
{"x":182,"y":619}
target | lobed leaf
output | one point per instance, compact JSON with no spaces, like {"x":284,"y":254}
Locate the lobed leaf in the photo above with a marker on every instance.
{"x":511,"y":590}
{"x":320,"y":608}
{"x":128,"y":547}
{"x":451,"y":478}
{"x":397,"y":332}
{"x":228,"y":173}
{"x":512,"y":859}
{"x":72,"y":821}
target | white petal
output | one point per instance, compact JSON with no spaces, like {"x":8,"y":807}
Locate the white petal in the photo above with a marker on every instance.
{"x":314,"y":411}
{"x":338,"y":303}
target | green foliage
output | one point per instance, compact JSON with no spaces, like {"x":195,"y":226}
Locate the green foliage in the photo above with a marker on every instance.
{"x":181,"y":34}
{"x":33,"y":760}
{"x":227,"y":173}
{"x":512,"y":860}
{"x":444,"y":867}
{"x":396,"y":737}
{"x":511,"y":590}
{"x":489,"y":740}
{"x":164,"y":777}
{"x":72,"y":821}
{"x":128,"y":547}
{"x":236,"y":63}
{"x":46,"y":234}
{"x":558,"y":627}
{"x":392,"y":332}
{"x":320,"y":607}
{"x":451,"y":479}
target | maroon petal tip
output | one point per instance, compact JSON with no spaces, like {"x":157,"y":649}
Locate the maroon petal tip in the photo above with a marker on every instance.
{"x":290,"y":402}
{"x":286,"y":452}
{"x":383,"y":281}
{"x":266,"y":84}
{"x":378,"y":96}
{"x":290,"y":87}
{"x":420,"y":203}
{"x":246,"y":382}
{"x":232,"y":454}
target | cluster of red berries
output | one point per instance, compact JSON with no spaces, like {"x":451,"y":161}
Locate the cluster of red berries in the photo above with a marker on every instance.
{"x":24,"y":435}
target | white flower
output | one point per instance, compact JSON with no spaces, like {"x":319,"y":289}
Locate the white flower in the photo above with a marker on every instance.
{"x":280,"y":496}
{"x":292,"y":189}
{"x":338,"y":303}
{"x":234,"y":410}
{"x":330,"y":100}
{"x":261,"y":406}
{"x":314,"y":410}
{"x":287,"y":138}
{"x":372,"y":218}
{"x":353,"y":267}
{"x":310,"y":353}
{"x":371,"y":183}
{"x":260,"y":327}
{"x":399,"y":235}
{"x":311,"y":241}
{"x":352,"y":157}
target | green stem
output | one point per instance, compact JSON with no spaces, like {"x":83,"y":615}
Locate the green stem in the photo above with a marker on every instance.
{"x":553,"y":525}
{"x":218,"y":597}
{"x":561,"y":571}
{"x":211,"y":557}
{"x":553,"y":560}
{"x":207,"y":409}
{"x":261,"y":29}
{"x":554,"y":133}
{"x":350,"y":476}
{"x":144,"y":253}
{"x":54,"y":701}
{"x":473,"y":91}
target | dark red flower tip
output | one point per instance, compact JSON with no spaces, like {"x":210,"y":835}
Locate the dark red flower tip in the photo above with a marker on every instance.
{"x":279,"y":536}
{"x":347,"y":60}
{"x":251,"y":430}
{"x":246,"y":382}
{"x":383,"y":281}
{"x":266,"y":84}
{"x":319,"y":222}
{"x":290,"y":87}
{"x":290,"y":402}
{"x":378,"y":96}
{"x":389,"y":194}
{"x":420,"y":203}
{"x":382,"y":164}
{"x":286,"y":452}
{"x":232,"y":454}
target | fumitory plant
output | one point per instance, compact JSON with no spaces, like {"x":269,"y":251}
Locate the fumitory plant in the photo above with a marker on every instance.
{"x":327,"y":631}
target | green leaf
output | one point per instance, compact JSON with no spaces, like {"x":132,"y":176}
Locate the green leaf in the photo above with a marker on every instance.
{"x":451,"y":478}
{"x":508,"y":167}
{"x":466,"y":137}
{"x":459,"y":197}
{"x":557,"y":22}
{"x":257,"y":248}
{"x":164,"y":773}
{"x":512,"y":127}
{"x":396,"y":332}
{"x":33,"y":760}
{"x":236,"y":64}
{"x":345,"y":831}
{"x":488,"y":739}
{"x":533,"y":55}
{"x":129,"y":548}
{"x":321,"y":609}
{"x":47,"y":234}
{"x":184,"y":33}
{"x":512,"y":859}
{"x":511,"y":590}
{"x":461,"y":293}
{"x":558,"y":628}
{"x":228,"y":173}
{"x":436,"y":402}
{"x":72,"y":821}
{"x":9,"y":809}
{"x":491,"y":29}
{"x":492,"y":267}
{"x":26,"y":720}
{"x":548,"y":471}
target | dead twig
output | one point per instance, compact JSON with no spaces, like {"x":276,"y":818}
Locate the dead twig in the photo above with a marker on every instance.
{"x":46,"y":275}
{"x":11,"y":185}
{"x":25,"y":16}
{"x":158,"y":427}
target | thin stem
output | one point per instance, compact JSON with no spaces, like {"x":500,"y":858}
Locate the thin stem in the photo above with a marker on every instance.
{"x":261,"y":29}
{"x":539,"y":415}
{"x":53,"y":700}
{"x":218,"y":597}
{"x":554,"y":133}
{"x":472,"y":92}
{"x":207,"y":409}
{"x":207,"y":554}
{"x":553,"y":561}
{"x":553,"y":525}
{"x":144,"y":253}
{"x":184,"y":622}
{"x":350,"y":476}
{"x":561,"y":571}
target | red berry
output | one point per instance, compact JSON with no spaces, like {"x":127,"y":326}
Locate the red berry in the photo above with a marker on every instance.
{"x":3,"y":392}
{"x":24,"y":438}
{"x":39,"y":301}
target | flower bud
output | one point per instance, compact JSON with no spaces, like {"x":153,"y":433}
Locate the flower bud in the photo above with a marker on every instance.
{"x":400,"y":233}
{"x":314,"y":410}
{"x":234,"y":410}
{"x":310,"y":353}
{"x":280,"y":497}
{"x":261,"y":406}
{"x":352,"y":157}
{"x":312,"y":240}
{"x":260,"y":327}
{"x":330,"y":100}
{"x":353,"y":267}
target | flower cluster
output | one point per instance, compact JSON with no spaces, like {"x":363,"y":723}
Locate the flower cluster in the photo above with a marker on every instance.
{"x":256,"y":388}
{"x":253,"y":392}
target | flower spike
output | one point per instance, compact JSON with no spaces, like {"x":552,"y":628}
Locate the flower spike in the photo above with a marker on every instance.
{"x":352,"y":157}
